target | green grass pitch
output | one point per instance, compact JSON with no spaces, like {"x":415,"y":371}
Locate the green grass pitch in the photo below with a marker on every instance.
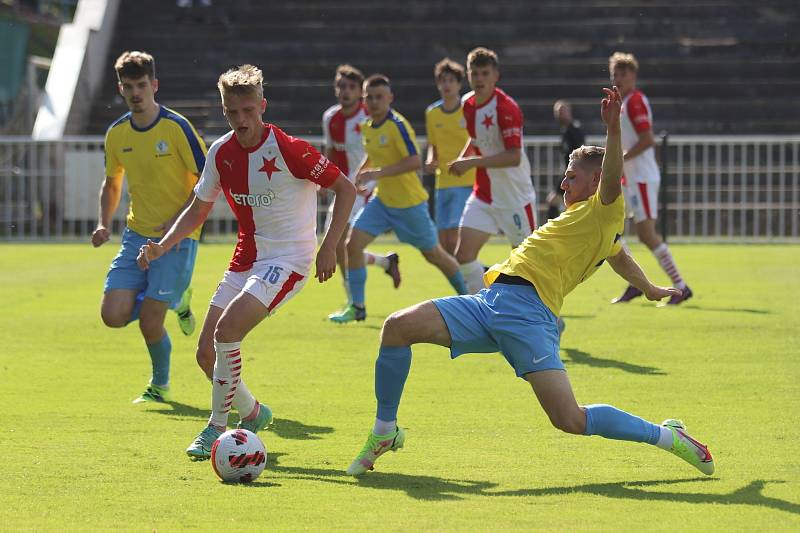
{"x":480,"y":453}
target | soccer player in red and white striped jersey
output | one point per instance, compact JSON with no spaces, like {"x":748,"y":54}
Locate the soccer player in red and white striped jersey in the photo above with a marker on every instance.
{"x":642,"y":176}
{"x":341,"y":130}
{"x":503,"y":198}
{"x":269,"y":179}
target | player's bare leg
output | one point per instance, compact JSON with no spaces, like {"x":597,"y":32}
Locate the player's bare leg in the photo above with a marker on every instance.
{"x":448,"y":238}
{"x":554,"y":392}
{"x":421,"y":323}
{"x":356,"y":277}
{"x":448,"y":265}
{"x":470,"y":242}
{"x":240,"y":316}
{"x":117,"y":307}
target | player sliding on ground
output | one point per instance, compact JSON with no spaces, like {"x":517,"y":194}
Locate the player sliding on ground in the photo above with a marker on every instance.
{"x":269,"y":180}
{"x":516,"y":313}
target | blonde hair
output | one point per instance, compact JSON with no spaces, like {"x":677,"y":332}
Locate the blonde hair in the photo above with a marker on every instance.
{"x":622,"y":60}
{"x":244,"y":80}
{"x":589,"y":157}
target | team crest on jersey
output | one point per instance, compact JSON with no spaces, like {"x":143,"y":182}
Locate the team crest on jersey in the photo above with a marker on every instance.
{"x":162,"y":147}
{"x":462,"y":123}
{"x":382,"y":140}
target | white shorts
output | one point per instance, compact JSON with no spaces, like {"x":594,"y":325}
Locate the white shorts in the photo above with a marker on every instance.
{"x":272,"y":282}
{"x":641,"y":200}
{"x":516,"y":224}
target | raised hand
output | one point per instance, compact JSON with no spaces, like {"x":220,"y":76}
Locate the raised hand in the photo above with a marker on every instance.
{"x":610,"y":107}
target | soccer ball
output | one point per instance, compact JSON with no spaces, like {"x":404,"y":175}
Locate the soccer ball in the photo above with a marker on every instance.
{"x":238,"y":456}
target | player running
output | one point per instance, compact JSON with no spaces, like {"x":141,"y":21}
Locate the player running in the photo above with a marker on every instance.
{"x":161,"y":155}
{"x":400,"y":201}
{"x":642,"y":175}
{"x":447,"y":134}
{"x":503,"y":198}
{"x":516,"y":314}
{"x":341,"y":129}
{"x":269,"y":179}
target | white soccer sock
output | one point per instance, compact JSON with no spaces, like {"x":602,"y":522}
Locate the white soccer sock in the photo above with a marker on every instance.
{"x":473,"y":275}
{"x":347,"y":287}
{"x":243,"y":400}
{"x":665,"y":439}
{"x":375,"y":259}
{"x":382,"y":427}
{"x":227,"y":369}
{"x":665,"y":260}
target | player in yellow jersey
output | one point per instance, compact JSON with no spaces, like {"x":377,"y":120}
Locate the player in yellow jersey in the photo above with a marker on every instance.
{"x":161,"y":155}
{"x":400,"y":201}
{"x":447,"y":135}
{"x":516,"y":314}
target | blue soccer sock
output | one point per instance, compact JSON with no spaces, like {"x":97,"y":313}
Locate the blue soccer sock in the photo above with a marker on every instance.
{"x":357,"y":278}
{"x":137,"y":307}
{"x":391,"y":371}
{"x":159,"y":356}
{"x":458,"y":283}
{"x":612,"y":423}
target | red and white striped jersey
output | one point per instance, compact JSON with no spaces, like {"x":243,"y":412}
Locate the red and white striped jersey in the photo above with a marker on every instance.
{"x":271,"y":189}
{"x":496,"y":126}
{"x":637,"y":117}
{"x":343,"y":136}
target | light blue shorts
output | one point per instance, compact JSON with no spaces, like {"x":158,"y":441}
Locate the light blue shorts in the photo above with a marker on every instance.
{"x":510,"y":319}
{"x":450,"y":203}
{"x":412,"y":225}
{"x":167,"y":277}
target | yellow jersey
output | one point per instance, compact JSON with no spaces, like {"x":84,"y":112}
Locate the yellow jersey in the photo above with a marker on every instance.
{"x":559,"y":255}
{"x":387,"y":143}
{"x":160,"y":162}
{"x":447,"y":131}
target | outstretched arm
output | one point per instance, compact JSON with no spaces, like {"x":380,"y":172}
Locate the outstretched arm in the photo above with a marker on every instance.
{"x":611,"y":175}
{"x":629,"y":270}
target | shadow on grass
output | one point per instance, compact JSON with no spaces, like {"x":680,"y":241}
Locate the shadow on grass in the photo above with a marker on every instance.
{"x":433,"y":488}
{"x":728,"y":309}
{"x":748,"y":495}
{"x":293,"y":429}
{"x":182,"y":410}
{"x":577,"y":317}
{"x":579,"y":357}
{"x":417,"y":487}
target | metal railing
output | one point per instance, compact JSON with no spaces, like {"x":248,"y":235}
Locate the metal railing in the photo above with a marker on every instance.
{"x":730,"y":188}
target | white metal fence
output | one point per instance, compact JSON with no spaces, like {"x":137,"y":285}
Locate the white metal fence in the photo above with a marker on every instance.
{"x":725,"y":188}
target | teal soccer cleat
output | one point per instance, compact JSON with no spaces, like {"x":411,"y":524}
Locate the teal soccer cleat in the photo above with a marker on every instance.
{"x":200,"y":449}
{"x":262,"y":420}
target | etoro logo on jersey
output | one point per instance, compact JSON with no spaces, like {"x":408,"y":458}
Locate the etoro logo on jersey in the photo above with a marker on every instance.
{"x":254,"y":200}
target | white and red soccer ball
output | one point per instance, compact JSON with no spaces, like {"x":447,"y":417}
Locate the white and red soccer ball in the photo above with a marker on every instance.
{"x":238,"y":456}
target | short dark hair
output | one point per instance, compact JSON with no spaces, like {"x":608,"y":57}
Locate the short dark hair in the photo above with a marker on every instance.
{"x":349,"y":72}
{"x":482,"y":57}
{"x":377,"y":80}
{"x":133,"y":65}
{"x":448,"y":66}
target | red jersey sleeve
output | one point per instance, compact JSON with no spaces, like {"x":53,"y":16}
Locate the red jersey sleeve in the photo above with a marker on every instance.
{"x":510,"y":122}
{"x":637,"y":112}
{"x":305,"y":162}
